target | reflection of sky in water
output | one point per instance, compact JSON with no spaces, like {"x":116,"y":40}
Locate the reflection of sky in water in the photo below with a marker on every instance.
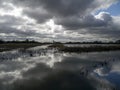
{"x":38,"y":65}
{"x":110,"y":73}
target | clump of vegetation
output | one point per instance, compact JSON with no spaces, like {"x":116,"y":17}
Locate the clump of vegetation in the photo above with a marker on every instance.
{"x":58,"y":46}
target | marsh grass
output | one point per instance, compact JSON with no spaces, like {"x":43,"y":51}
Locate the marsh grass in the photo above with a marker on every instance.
{"x":79,"y":49}
{"x":11,"y":46}
{"x":60,"y":47}
{"x":56,"y":46}
{"x":90,"y":49}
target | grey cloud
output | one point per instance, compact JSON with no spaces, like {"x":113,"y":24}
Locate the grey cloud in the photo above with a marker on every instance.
{"x":17,"y":32}
{"x":62,"y":8}
{"x":7,"y":25}
{"x":59,"y":7}
{"x":67,"y":12}
{"x":73,"y":15}
{"x":9,"y":20}
{"x":38,"y":14}
{"x":55,"y":8}
{"x":66,"y":7}
{"x":10,"y":23}
{"x":84,"y":22}
{"x":38,"y":71}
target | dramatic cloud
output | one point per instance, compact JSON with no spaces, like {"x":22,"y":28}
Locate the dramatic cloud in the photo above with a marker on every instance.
{"x":86,"y":21}
{"x":58,"y":19}
{"x":38,"y":14}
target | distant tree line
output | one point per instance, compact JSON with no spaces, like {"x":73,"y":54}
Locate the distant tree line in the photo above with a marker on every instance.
{"x":55,"y":42}
{"x":15,"y":41}
{"x":95,"y":42}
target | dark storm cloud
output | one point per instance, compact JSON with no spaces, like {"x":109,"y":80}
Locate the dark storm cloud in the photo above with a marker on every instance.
{"x":6,"y":26}
{"x":73,"y":15}
{"x":84,"y":22}
{"x":66,"y":7}
{"x":40,"y":15}
{"x":102,"y":26}
{"x":59,"y":7}
{"x":56,"y":8}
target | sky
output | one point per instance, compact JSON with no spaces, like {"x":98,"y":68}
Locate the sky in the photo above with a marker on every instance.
{"x":60,"y":20}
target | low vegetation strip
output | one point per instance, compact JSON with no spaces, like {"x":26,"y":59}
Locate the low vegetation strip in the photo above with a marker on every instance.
{"x":78,"y":49}
{"x":11,"y":46}
{"x":60,"y":47}
{"x":90,"y":49}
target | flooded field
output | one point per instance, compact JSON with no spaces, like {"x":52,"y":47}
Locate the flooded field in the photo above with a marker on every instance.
{"x":43,"y":68}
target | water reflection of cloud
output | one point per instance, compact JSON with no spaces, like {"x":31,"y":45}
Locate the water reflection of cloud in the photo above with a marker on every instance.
{"x":54,"y":58}
{"x":113,"y":67}
{"x":116,"y":67}
{"x":74,"y":63}
{"x":37,"y":72}
{"x":103,"y":71}
{"x":30,"y":69}
{"x":58,"y":80}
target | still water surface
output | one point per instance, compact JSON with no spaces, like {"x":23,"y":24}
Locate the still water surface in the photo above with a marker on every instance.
{"x":37,"y":67}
